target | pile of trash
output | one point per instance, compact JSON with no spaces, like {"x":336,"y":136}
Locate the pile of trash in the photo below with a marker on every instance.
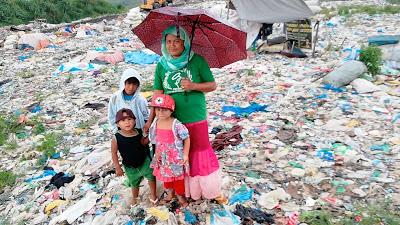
{"x":292,"y":134}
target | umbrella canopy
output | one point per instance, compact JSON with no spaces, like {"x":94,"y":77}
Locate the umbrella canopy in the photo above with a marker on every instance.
{"x":219,"y":43}
{"x":276,"y":11}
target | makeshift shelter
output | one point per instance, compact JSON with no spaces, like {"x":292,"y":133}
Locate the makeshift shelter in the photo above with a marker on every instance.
{"x":276,"y":11}
{"x":249,"y":15}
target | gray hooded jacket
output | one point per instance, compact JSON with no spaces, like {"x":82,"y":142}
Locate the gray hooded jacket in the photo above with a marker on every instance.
{"x":138,"y":104}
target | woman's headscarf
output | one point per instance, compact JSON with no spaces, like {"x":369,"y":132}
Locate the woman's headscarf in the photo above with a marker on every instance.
{"x":167,"y":61}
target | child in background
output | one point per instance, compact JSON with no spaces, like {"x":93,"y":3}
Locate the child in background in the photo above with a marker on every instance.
{"x":128,"y":96}
{"x":171,"y":161}
{"x":135,"y":154}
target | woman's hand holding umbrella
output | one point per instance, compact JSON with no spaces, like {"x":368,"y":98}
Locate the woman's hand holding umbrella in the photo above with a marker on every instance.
{"x":187,"y":85}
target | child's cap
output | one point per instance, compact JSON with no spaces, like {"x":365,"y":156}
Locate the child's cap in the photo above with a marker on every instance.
{"x":120,"y":115}
{"x":163,"y":101}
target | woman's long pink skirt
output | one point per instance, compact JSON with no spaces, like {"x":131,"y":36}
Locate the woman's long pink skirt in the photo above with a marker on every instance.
{"x":205,"y":178}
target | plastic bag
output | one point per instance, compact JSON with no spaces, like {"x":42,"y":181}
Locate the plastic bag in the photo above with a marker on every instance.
{"x":345,"y":74}
{"x":241,"y":195}
{"x":223,"y":217}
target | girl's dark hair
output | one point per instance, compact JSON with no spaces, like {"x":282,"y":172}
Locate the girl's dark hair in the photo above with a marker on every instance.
{"x":132,"y":80}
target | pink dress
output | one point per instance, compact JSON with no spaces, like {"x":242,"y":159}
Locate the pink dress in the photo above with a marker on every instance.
{"x":170,"y":167}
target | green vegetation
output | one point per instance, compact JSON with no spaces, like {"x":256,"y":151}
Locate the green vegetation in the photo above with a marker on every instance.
{"x":374,"y":213}
{"x":8,"y":125}
{"x":4,"y":221}
{"x":393,"y":1}
{"x":371,"y":56}
{"x":13,"y":12}
{"x":49,"y":144}
{"x":368,"y":9}
{"x":125,"y":3}
{"x":87,"y":123}
{"x":23,"y":74}
{"x":37,"y":123}
{"x":7,"y":179}
{"x":11,"y":145}
{"x":317,"y":217}
{"x":147,"y":87}
{"x":39,"y":128}
{"x":328,"y":12}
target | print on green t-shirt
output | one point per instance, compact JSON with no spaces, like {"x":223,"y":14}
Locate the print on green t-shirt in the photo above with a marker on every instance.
{"x":191,"y":105}
{"x":172,"y":80}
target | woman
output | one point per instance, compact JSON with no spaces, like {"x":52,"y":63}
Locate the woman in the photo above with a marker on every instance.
{"x":186,"y":77}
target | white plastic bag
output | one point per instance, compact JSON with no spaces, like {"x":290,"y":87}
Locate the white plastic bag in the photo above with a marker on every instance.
{"x":345,"y":74}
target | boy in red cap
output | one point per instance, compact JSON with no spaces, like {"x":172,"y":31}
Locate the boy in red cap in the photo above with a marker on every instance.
{"x":171,"y":161}
{"x":134,"y":151}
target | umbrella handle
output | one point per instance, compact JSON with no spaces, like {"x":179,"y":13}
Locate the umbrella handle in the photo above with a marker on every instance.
{"x":192,"y":37}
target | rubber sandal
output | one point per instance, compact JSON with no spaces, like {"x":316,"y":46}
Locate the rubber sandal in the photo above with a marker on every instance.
{"x":154,"y":202}
{"x":136,"y":204}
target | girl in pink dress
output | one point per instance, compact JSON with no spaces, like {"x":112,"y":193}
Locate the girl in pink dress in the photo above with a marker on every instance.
{"x":171,"y":162}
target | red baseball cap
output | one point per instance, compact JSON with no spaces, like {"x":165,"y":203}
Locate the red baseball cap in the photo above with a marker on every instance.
{"x":120,"y":115}
{"x":163,"y":101}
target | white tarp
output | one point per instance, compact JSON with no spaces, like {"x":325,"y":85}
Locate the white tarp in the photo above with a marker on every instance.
{"x":251,"y":28}
{"x":272,"y":11}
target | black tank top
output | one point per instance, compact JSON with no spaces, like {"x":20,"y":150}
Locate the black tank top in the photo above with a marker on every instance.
{"x":133,"y":153}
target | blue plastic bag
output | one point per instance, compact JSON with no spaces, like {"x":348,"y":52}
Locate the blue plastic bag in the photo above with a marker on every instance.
{"x":239,"y":111}
{"x":241,"y":195}
{"x":190,"y":218}
{"x":139,"y":57}
{"x":326,"y":154}
{"x":223,"y":217}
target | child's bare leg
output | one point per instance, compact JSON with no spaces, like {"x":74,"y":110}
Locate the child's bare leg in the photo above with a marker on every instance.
{"x":153,"y":191}
{"x":170,"y":195}
{"x":182,"y":201}
{"x":135,"y":195}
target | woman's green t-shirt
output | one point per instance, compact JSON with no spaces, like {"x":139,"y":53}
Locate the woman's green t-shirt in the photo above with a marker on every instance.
{"x":190,"y":106}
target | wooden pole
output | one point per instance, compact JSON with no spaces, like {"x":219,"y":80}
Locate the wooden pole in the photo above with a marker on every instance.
{"x":315,"y":38}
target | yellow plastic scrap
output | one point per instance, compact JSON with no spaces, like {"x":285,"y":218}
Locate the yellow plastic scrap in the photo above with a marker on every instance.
{"x":353,"y":123}
{"x":160,"y":214}
{"x":146,"y":94}
{"x":79,"y":130}
{"x":106,"y":201}
{"x":54,"y":205}
{"x":393,"y":82}
{"x":395,"y":140}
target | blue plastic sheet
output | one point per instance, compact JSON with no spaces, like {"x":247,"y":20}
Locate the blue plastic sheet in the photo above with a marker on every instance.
{"x":333,"y":88}
{"x":190,"y":218}
{"x":35,"y":108}
{"x":25,"y":46}
{"x":396,"y":118}
{"x":242,"y":112}
{"x":140,"y":57}
{"x":326,"y":154}
{"x":22,"y":57}
{"x":321,"y":96}
{"x":383,"y":40}
{"x":45,"y":174}
{"x":384,"y":148}
{"x":56,"y":155}
{"x":353,"y":53}
{"x":241,"y":195}
{"x":74,"y":67}
{"x":101,"y":49}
